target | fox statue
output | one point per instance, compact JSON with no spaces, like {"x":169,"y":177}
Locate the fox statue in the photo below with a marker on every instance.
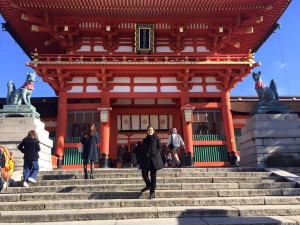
{"x":265,"y":94}
{"x":22,"y":94}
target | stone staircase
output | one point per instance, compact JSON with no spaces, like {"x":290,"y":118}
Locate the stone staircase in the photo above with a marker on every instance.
{"x":114,"y":194}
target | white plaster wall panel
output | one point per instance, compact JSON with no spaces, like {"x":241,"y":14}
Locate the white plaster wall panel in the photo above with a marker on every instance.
{"x":50,"y":123}
{"x":239,"y":121}
{"x":163,"y":49}
{"x":92,"y":89}
{"x":135,"y":122}
{"x":202,"y":49}
{"x":154,"y":121}
{"x":122,"y":142}
{"x":122,"y":80}
{"x":166,"y":101}
{"x":146,"y":80}
{"x":99,"y":48}
{"x":84,"y":48}
{"x":124,"y":49}
{"x":121,"y":136}
{"x":92,"y":80}
{"x":144,"y":122}
{"x":138,"y":136}
{"x":169,"y":89}
{"x":144,"y":101}
{"x":166,"y":80}
{"x":145,"y":89}
{"x":188,"y":49}
{"x":210,"y":79}
{"x":76,"y":89}
{"x":76,"y":80}
{"x":126,"y":125}
{"x":122,"y":102}
{"x":197,"y":88}
{"x":120,"y":89}
{"x":163,"y":121}
{"x":196,"y":80}
{"x":212,"y":88}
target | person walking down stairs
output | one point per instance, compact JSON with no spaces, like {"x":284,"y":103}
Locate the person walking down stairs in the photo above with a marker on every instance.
{"x":174,"y":143}
{"x":30,"y":146}
{"x":90,"y":152}
{"x":150,"y":160}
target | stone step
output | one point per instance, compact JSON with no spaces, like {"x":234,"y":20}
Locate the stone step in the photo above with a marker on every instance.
{"x":161,"y":186}
{"x":232,"y":193}
{"x":80,"y":175}
{"x":157,"y":202}
{"x":165,"y":170}
{"x":68,"y":195}
{"x":147,"y":212}
{"x":166,"y":180}
{"x":270,"y":220}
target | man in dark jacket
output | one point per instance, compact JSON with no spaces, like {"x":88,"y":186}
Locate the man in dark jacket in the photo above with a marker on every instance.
{"x":150,"y":160}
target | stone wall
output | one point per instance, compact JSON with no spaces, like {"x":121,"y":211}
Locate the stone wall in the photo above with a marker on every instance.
{"x":269,"y":135}
{"x":14,"y":129}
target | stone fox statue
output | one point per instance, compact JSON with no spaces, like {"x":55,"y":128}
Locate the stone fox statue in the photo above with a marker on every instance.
{"x":22,"y":94}
{"x":265,"y":94}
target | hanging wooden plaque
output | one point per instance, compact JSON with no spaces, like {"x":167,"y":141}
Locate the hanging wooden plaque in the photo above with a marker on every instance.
{"x":144,"y":38}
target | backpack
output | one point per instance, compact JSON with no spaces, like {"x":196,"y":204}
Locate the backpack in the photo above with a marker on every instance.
{"x":7,"y":163}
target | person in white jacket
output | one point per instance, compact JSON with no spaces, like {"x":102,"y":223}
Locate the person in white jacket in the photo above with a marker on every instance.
{"x":174,"y":143}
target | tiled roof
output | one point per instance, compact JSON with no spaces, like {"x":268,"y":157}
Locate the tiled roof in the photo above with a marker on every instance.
{"x":152,"y":11}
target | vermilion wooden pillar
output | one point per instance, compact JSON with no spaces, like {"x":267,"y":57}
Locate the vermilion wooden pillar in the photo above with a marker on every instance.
{"x":61,"y":126}
{"x":114,"y":135}
{"x":187,"y":127}
{"x":227,"y":121}
{"x":105,"y":132}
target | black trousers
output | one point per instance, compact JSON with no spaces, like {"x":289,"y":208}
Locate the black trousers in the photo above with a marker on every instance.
{"x":152,"y":181}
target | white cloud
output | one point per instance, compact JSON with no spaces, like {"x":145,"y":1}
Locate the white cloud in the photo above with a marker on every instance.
{"x":281,"y":66}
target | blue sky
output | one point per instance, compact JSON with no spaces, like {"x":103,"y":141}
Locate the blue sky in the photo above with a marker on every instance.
{"x":279,"y":57}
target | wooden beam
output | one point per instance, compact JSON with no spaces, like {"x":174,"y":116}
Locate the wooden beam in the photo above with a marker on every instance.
{"x":33,"y":19}
{"x":36,"y":28}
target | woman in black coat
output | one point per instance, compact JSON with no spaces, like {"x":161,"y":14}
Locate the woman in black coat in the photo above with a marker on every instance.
{"x":89,"y":151}
{"x":30,"y":146}
{"x":150,"y":160}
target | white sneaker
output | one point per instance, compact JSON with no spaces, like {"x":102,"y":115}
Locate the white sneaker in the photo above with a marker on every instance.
{"x":25,"y":184}
{"x":31,"y":180}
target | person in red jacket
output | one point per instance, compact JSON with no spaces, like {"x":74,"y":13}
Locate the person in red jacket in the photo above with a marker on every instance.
{"x":30,"y":146}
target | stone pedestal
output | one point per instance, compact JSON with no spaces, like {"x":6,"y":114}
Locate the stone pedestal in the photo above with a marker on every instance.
{"x":267,"y":135}
{"x":19,"y":111}
{"x":14,"y":129}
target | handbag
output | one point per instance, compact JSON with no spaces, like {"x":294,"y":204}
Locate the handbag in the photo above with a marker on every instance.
{"x":80,"y":148}
{"x":171,"y":145}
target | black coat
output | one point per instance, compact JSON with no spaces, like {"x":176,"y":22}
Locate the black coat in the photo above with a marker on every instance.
{"x":151,"y":149}
{"x":30,"y":147}
{"x":89,"y":150}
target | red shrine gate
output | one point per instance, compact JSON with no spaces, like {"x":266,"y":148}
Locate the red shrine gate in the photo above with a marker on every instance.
{"x":144,"y":62}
